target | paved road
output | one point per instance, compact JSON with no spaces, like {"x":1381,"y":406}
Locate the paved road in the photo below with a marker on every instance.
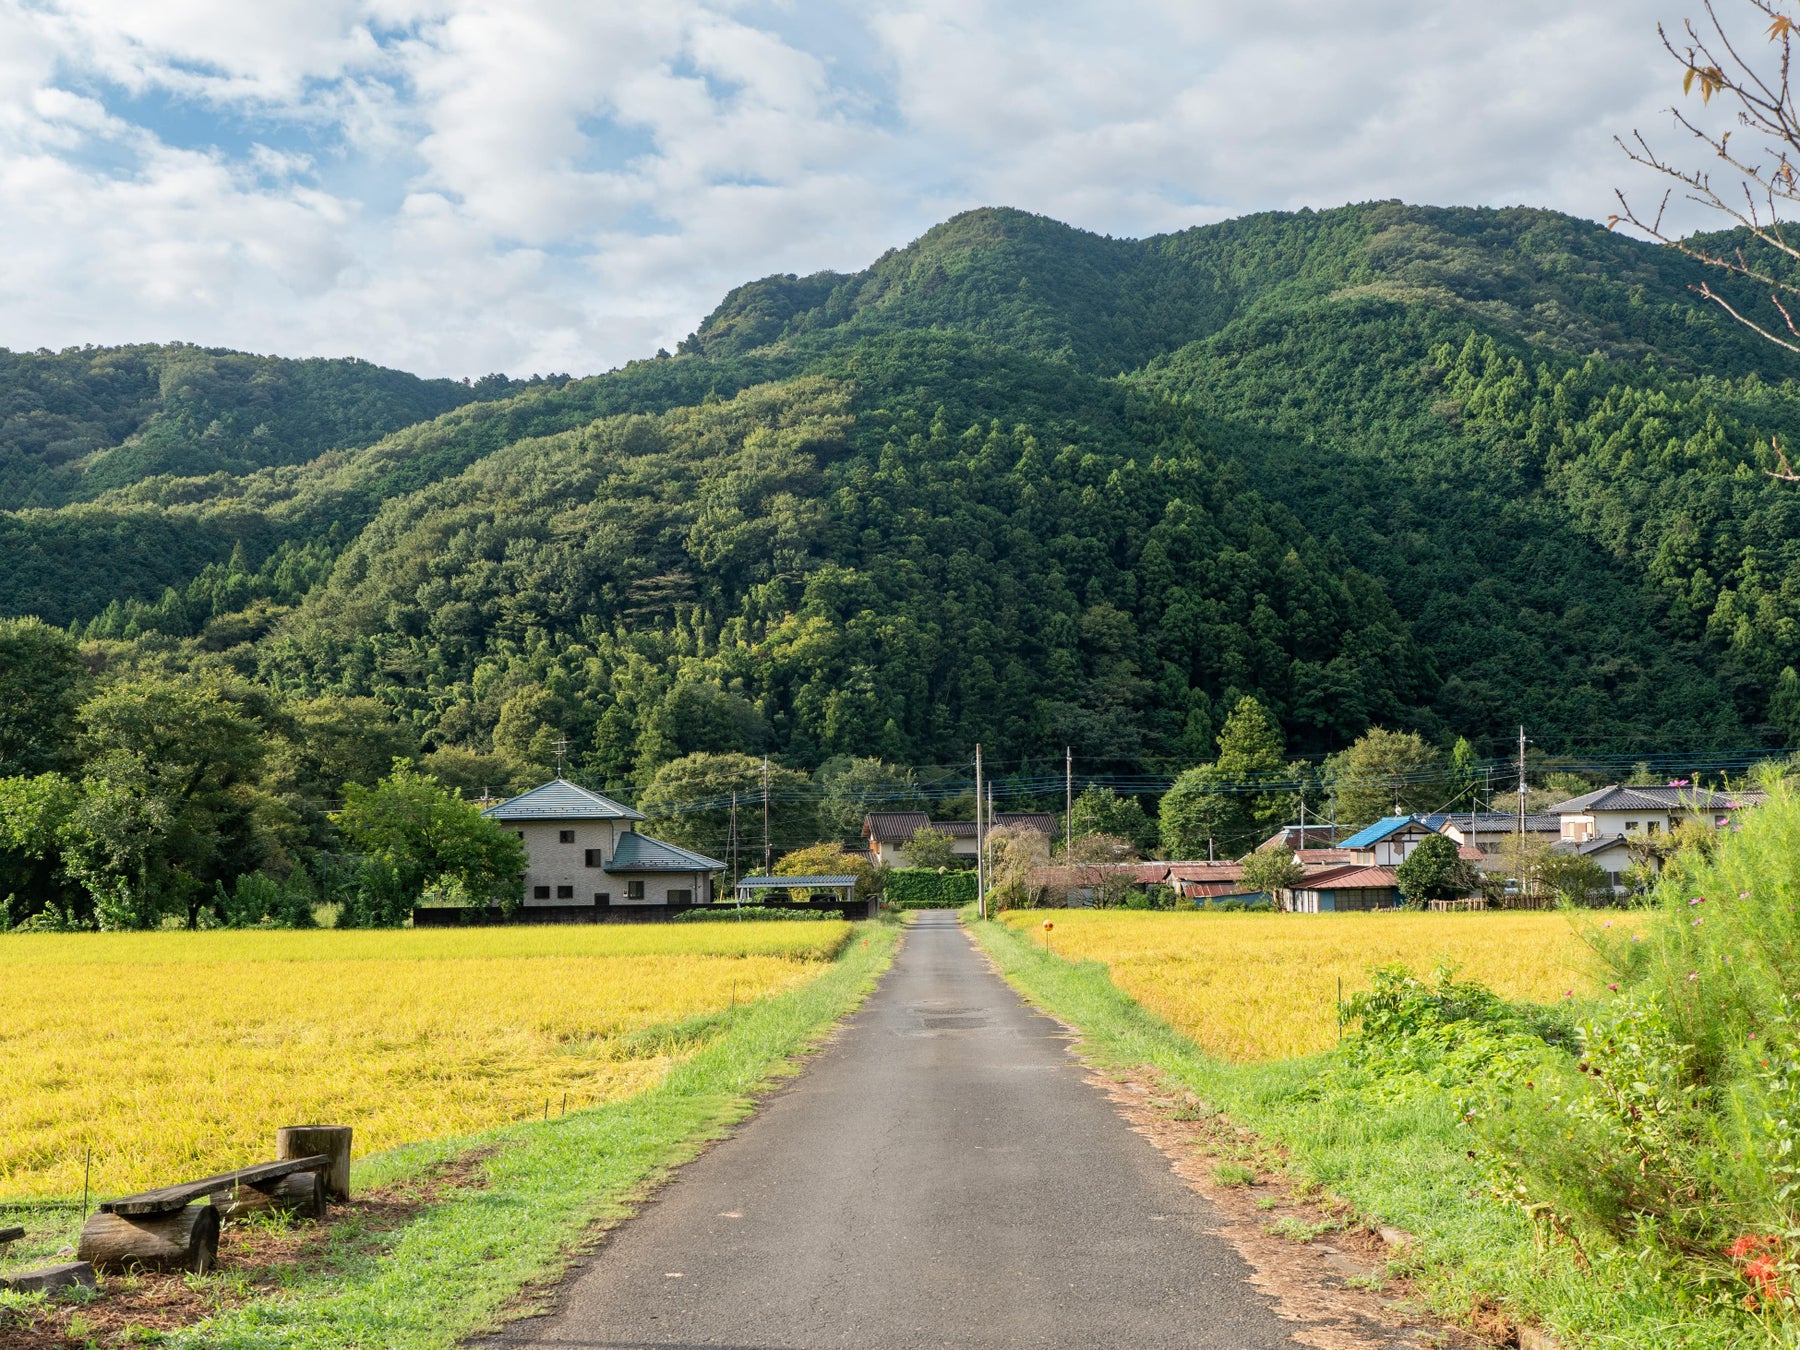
{"x":940,"y":1176}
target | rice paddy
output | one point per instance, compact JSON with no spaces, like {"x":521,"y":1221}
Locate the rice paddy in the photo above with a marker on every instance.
{"x":175,"y":1055}
{"x":1250,"y":987}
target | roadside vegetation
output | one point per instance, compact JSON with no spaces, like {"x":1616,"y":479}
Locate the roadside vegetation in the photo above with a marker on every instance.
{"x":1617,"y":1159}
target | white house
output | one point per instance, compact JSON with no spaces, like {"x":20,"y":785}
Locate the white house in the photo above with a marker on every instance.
{"x":582,"y":848}
{"x":1616,"y":810}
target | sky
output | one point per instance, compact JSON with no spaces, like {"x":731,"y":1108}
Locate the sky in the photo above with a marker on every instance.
{"x":454,"y":187}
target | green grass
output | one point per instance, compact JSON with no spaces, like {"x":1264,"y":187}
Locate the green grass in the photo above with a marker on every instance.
{"x":1403,"y":1163}
{"x":455,"y":1268}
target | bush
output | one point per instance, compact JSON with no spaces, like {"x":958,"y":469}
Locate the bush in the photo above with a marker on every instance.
{"x":1675,"y":1135}
{"x":727,"y":913}
{"x":922,"y":888}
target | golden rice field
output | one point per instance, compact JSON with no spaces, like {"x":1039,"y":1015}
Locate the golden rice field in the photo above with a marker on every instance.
{"x":175,"y":1055}
{"x":1264,"y":986}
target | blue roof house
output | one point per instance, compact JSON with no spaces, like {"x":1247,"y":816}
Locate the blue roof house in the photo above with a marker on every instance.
{"x":584,"y":849}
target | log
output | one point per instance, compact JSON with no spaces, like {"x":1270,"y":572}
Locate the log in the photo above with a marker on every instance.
{"x":12,"y":1234}
{"x":300,"y":1196}
{"x":303,"y":1141}
{"x":49,"y":1279}
{"x":188,"y":1239}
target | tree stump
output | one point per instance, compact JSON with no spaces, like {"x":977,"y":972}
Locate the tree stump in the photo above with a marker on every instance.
{"x":301,"y":1195}
{"x":188,"y":1239}
{"x":303,"y":1141}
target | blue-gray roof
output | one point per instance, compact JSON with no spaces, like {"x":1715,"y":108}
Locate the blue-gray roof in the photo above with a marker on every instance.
{"x":640,"y":853}
{"x":560,"y":800}
{"x":1371,"y":835}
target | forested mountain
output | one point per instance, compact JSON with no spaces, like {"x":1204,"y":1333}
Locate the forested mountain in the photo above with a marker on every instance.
{"x":1446,"y":470}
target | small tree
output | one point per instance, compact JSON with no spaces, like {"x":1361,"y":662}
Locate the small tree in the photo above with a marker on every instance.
{"x":1016,"y":853}
{"x":1382,"y":770}
{"x":1273,"y":871}
{"x":1101,"y":864}
{"x":1102,"y":810}
{"x":1433,"y":871}
{"x":1574,"y":879}
{"x":421,"y":834}
{"x":931,"y":848}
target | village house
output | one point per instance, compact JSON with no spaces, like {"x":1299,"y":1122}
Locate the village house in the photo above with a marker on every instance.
{"x":1619,"y":811}
{"x":889,"y":832}
{"x":584,"y":849}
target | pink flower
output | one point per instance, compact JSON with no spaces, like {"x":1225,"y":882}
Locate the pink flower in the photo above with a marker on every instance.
{"x":1698,"y":900}
{"x":1637,"y":937}
{"x":1693,"y":976}
{"x":1743,"y":895}
{"x":1613,"y":987}
{"x":1698,"y":922}
{"x":1607,"y":924}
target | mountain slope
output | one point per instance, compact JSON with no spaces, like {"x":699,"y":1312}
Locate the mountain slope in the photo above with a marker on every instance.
{"x":1016,"y":483}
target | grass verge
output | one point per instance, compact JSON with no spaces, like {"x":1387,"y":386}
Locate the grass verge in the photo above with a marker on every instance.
{"x":464,"y":1263}
{"x":1403,"y":1163}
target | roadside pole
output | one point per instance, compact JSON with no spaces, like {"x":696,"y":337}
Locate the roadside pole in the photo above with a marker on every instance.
{"x":980,"y":846}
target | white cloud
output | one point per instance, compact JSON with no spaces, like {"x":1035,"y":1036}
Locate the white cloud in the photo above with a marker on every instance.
{"x":455,"y":186}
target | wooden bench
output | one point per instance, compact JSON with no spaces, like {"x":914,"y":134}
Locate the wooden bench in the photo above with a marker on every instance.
{"x":170,"y":1199}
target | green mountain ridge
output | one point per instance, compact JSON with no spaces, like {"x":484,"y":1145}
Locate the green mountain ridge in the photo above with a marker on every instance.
{"x":1449,"y":469}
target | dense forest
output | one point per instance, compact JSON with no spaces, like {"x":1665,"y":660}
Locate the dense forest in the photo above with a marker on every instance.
{"x":1439,"y":471}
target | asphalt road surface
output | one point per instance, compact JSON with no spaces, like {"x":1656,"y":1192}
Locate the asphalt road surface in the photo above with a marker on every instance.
{"x":941,"y":1175}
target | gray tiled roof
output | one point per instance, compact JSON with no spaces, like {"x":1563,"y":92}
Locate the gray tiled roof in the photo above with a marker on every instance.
{"x":560,"y":800}
{"x":1616,"y":798}
{"x":640,"y":853}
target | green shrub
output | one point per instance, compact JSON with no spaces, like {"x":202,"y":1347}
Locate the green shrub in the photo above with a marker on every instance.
{"x":1675,"y":1134}
{"x":924,"y":888}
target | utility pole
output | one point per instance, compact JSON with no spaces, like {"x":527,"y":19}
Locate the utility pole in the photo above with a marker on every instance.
{"x":768,"y":862}
{"x":1523,"y":790}
{"x":734,"y":842}
{"x":1068,"y":801}
{"x":980,"y":846}
{"x":562,"y":749}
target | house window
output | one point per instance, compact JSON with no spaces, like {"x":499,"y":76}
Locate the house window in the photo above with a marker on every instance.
{"x":1631,"y":827}
{"x":565,"y":836}
{"x":602,"y":898}
{"x":594,"y":858}
{"x":565,"y":892}
{"x":1650,"y":826}
{"x":540,"y":892}
{"x":520,"y":833}
{"x":681,"y":897}
{"x":634,"y":890}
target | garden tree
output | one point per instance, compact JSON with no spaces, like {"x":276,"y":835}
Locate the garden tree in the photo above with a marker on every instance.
{"x":1464,"y":781}
{"x":32,"y":813}
{"x":41,"y":684}
{"x":1101,"y":865}
{"x":933,"y":849}
{"x":855,"y":787}
{"x":170,"y":799}
{"x":1273,"y":871}
{"x":1016,"y":856}
{"x":830,"y":860}
{"x":688,"y":802}
{"x":1102,"y":810}
{"x":416,"y":833}
{"x":1574,"y":879}
{"x":1433,"y":871}
{"x":1235,"y":801}
{"x":1384,"y":773}
{"x":1521,"y":860}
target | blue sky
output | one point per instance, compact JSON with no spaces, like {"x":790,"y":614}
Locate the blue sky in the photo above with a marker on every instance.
{"x":459,"y":186}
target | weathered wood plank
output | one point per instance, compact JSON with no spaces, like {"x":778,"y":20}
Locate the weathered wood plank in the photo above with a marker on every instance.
{"x":48,"y":1279}
{"x":11,"y":1234}
{"x":168,"y":1199}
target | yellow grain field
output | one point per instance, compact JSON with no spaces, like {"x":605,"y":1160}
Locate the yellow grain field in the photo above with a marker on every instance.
{"x":175,"y":1055}
{"x":1264,"y":986}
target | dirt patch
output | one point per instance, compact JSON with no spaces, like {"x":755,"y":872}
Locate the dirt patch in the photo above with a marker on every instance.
{"x":1343,"y":1282}
{"x":255,"y":1258}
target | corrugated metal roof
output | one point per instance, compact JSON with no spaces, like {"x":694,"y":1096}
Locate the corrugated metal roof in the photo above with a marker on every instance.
{"x":640,"y":853}
{"x":560,"y":800}
{"x":1351,"y":879}
{"x":791,"y":883}
{"x":1370,"y":835}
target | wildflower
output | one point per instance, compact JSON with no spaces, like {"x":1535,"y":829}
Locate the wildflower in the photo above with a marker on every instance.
{"x":1613,"y":987}
{"x":1698,"y":922}
{"x":1693,"y":976}
{"x":1637,"y":937}
{"x":1743,"y":895}
{"x":1698,"y":900}
{"x":1607,"y":924}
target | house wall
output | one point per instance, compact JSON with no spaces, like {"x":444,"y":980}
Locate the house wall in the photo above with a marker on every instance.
{"x":657,"y":886}
{"x":564,"y":869}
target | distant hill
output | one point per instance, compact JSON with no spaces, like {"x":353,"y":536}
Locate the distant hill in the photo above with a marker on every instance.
{"x":1016,"y":483}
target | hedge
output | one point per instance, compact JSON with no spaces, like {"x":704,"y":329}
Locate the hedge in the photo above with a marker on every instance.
{"x":725,"y":913}
{"x":924,"y":888}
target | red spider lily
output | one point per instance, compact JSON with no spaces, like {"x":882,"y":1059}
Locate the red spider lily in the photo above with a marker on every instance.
{"x":1759,"y":1262}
